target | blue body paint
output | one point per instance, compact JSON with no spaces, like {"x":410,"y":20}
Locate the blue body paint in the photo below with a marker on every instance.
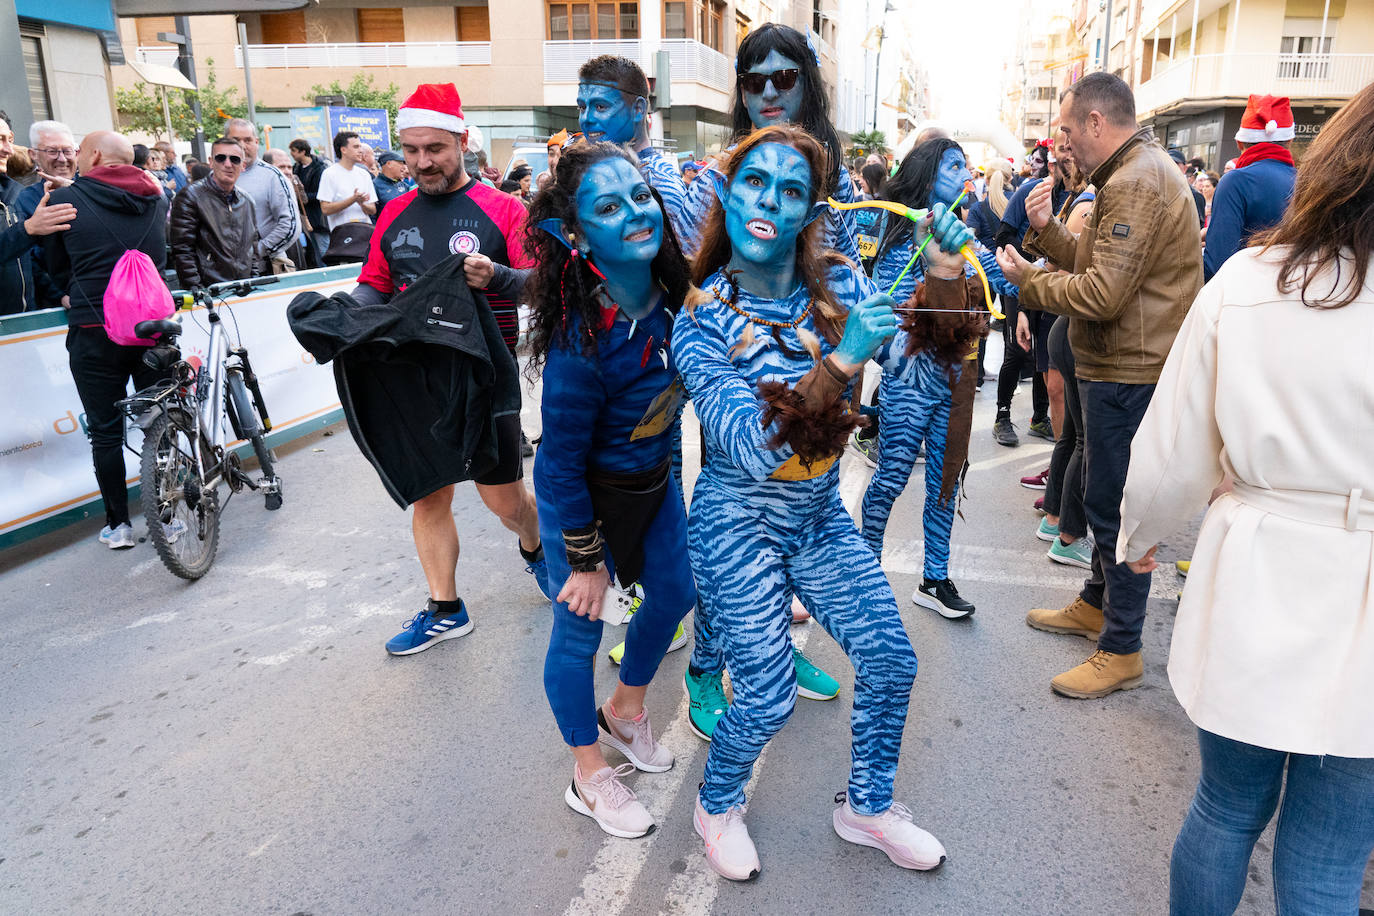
{"x":607,"y":113}
{"x":950,"y":178}
{"x":771,"y":106}
{"x":622,"y":229}
{"x":767,"y":205}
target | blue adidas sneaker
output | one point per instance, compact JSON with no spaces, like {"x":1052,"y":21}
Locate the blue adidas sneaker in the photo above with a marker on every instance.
{"x":427,"y":628}
{"x":537,"y":566}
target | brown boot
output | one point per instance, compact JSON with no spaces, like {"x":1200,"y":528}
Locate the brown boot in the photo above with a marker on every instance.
{"x":1104,"y":673}
{"x":1078,"y":619}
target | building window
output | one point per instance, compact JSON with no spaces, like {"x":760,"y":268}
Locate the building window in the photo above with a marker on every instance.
{"x":717,"y":35}
{"x":675,"y":19}
{"x":1305,"y":49}
{"x":585,"y":21}
{"x":703,"y":20}
{"x":37,"y":75}
{"x":381,"y":26}
{"x":147,"y":27}
{"x":473,"y":24}
{"x":282,"y":28}
{"x":741,"y":28}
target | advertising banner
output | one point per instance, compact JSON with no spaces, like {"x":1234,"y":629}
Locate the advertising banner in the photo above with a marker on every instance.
{"x":46,"y":476}
{"x":372,"y":125}
{"x":312,"y":125}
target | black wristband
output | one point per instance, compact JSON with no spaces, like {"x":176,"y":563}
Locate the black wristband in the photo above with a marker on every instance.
{"x":584,"y":548}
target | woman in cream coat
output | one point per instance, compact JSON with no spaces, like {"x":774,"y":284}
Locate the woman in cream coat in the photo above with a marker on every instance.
{"x":1271,"y":380}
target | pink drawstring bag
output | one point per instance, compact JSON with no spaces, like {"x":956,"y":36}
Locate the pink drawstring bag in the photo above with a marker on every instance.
{"x":136,"y":293}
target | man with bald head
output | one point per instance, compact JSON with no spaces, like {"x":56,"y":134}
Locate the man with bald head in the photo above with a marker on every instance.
{"x":273,"y":200}
{"x":118,"y":207}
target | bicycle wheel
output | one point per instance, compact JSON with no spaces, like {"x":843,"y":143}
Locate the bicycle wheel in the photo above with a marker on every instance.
{"x":243,"y":417}
{"x":183,"y":518}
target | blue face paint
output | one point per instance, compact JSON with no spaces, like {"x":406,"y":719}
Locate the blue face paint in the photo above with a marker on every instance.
{"x":767,"y":204}
{"x":607,"y":113}
{"x":772,"y":106}
{"x":949,"y":178}
{"x":621,"y":222}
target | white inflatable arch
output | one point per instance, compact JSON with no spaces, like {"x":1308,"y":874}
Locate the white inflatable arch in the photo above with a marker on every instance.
{"x":969,"y":130}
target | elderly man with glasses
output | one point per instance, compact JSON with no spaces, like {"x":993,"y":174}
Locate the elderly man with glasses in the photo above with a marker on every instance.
{"x":53,"y":149}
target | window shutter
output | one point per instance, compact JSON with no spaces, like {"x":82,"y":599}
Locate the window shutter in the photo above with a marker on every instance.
{"x":283,"y":28}
{"x":381,"y":25}
{"x":474,"y":23}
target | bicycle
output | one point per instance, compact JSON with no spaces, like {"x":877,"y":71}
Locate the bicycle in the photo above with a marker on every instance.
{"x":184,"y":459}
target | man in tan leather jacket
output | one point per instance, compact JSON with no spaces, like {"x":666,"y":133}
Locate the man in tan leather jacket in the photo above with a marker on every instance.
{"x":1136,"y":268}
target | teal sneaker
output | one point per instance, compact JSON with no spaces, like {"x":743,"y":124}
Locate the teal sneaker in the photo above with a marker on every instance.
{"x":812,"y":682}
{"x":1046,"y":531}
{"x":1079,"y":553}
{"x":706,"y":699}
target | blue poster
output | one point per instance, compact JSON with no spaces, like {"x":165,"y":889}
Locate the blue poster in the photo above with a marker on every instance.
{"x":372,"y":125}
{"x":311,"y":125}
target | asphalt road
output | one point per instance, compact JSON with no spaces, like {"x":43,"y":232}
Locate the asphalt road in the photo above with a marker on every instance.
{"x":244,"y":745}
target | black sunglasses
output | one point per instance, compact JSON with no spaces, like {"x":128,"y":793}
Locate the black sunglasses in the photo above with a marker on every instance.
{"x":222,"y":158}
{"x":782,"y":80}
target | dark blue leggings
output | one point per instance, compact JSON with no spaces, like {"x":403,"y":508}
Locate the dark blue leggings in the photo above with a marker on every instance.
{"x":669,"y":594}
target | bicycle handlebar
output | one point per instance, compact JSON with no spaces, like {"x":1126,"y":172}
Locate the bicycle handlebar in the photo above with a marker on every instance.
{"x":208,"y":294}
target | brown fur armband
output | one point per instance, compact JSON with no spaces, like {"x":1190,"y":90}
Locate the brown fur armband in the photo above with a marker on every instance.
{"x":948,"y":337}
{"x":813,"y":416}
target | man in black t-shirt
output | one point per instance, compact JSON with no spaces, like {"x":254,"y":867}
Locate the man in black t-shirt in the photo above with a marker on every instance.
{"x":447,"y":213}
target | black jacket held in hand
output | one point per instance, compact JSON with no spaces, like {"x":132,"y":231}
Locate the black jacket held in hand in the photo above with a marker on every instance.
{"x":118,"y":207}
{"x":213,"y":240}
{"x":422,"y":378}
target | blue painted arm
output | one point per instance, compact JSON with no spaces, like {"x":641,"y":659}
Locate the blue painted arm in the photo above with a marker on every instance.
{"x":573,"y":398}
{"x":725,"y":401}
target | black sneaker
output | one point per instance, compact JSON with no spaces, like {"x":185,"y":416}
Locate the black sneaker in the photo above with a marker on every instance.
{"x":1042,"y":429}
{"x":1005,"y":433}
{"x":526,"y":450}
{"x":942,"y":598}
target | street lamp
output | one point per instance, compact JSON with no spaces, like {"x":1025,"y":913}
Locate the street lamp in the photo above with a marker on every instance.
{"x":878,"y":64}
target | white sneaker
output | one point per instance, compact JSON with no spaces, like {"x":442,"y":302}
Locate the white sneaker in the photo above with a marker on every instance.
{"x":893,"y":832}
{"x":729,"y":850}
{"x":609,"y":802}
{"x":120,"y":538}
{"x":635,"y":739}
{"x":173,"y":530}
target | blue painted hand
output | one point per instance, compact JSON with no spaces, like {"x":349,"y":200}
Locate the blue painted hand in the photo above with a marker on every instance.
{"x":772,"y":90}
{"x":767,"y":204}
{"x":950,"y":233}
{"x":870,"y":323}
{"x":607,"y":113}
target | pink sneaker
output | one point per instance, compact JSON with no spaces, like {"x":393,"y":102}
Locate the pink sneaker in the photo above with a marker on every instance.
{"x":635,"y":739}
{"x":893,"y":832}
{"x":729,"y":850}
{"x":608,"y":801}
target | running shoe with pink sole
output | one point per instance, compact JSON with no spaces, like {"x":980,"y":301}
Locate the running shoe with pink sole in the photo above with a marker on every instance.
{"x":729,"y":850}
{"x":893,"y":832}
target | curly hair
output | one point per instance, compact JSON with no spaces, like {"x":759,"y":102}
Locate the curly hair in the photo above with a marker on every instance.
{"x":812,"y":260}
{"x":561,"y":282}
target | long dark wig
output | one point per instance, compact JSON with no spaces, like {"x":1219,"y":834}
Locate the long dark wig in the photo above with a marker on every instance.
{"x":813,"y":260}
{"x":815,"y":111}
{"x":562,"y":289}
{"x":912,"y":187}
{"x":948,"y":337}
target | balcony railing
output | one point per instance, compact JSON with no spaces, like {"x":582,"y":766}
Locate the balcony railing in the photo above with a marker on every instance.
{"x":1298,"y":76}
{"x":692,"y":61}
{"x":368,"y":54}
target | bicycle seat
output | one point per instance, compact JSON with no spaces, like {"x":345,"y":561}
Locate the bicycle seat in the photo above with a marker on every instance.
{"x":150,"y":329}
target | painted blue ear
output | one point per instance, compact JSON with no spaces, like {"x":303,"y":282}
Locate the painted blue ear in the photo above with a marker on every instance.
{"x":717,"y":178}
{"x":554,"y":227}
{"x":818,"y":210}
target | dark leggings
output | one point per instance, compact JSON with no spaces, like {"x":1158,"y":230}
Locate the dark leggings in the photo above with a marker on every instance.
{"x":1064,"y":489}
{"x":1014,"y":362}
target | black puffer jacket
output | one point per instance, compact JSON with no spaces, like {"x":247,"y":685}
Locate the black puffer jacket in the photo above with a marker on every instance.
{"x":213,"y":240}
{"x":118,"y":207}
{"x":422,"y":378}
{"x":16,"y":277}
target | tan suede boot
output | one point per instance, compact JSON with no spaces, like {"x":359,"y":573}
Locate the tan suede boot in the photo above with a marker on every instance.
{"x":1078,"y":619}
{"x":1104,"y":673}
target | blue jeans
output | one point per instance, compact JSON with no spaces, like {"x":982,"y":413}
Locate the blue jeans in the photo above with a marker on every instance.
{"x":1323,"y":842}
{"x":669,"y":594}
{"x":1111,"y":414}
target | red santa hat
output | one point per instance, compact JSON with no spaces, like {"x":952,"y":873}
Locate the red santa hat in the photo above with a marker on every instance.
{"x":432,"y":105}
{"x":1267,"y":119}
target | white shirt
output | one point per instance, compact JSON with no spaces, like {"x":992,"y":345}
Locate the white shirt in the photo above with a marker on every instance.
{"x":338,"y":183}
{"x":1274,"y":640}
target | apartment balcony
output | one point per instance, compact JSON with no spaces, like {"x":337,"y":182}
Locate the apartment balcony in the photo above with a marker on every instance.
{"x":701,"y":76}
{"x":350,"y":55}
{"x":1201,"y":82}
